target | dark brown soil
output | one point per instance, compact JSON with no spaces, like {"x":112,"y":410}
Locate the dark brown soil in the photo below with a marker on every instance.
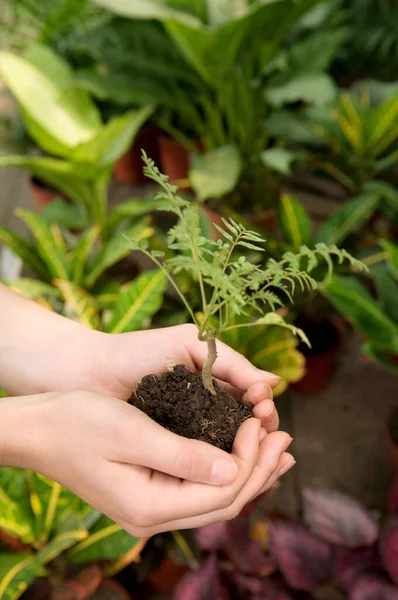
{"x":178,"y":401}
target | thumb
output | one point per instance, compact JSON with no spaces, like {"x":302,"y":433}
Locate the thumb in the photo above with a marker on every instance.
{"x":150,"y":445}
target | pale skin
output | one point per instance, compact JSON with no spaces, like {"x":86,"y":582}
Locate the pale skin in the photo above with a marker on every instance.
{"x":144,"y":477}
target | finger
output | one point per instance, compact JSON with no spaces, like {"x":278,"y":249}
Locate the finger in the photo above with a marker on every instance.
{"x":230,"y":366}
{"x":191,"y":499}
{"x":259,"y":481}
{"x":143,"y":442}
{"x":286,"y":463}
{"x":257,"y":392}
{"x":268,"y":415}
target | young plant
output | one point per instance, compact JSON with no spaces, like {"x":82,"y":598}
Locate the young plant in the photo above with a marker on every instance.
{"x":231,"y":286}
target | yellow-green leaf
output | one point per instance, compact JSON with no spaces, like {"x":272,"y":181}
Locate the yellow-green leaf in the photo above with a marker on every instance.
{"x":295,"y":222}
{"x":79,"y":303}
{"x":25,"y":251}
{"x":81,"y":253}
{"x":138,"y":300}
{"x":392,"y":253}
{"x":107,"y":541}
{"x":16,"y":517}
{"x":17,"y":572}
{"x":215,"y":173}
{"x":47,"y":244}
{"x":115,"y":249}
{"x":33,"y":288}
{"x":59,"y":544}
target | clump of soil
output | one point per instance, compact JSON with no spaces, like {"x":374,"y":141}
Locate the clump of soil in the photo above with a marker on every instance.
{"x":178,"y":401}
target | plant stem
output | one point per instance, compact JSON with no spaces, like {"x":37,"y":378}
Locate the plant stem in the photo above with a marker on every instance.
{"x":209,"y":362}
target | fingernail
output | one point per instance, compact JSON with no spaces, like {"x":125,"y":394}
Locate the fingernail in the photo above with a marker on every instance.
{"x":271,"y":376}
{"x":288,"y":443}
{"x":224,"y":472}
{"x":286,"y":467}
{"x":267,"y":408}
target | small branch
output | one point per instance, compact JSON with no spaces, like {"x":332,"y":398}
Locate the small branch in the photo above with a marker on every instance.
{"x":209,"y":362}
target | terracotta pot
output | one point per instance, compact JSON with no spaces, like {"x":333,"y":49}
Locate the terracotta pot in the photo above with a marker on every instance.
{"x":42,"y":195}
{"x":391,"y":437}
{"x":213,"y":217}
{"x":166,"y":577}
{"x":321,"y":359}
{"x":174,"y":158}
{"x":266,"y":220}
{"x":129,"y":167}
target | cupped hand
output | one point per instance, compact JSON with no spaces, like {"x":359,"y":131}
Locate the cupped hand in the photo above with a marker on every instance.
{"x":121,"y":361}
{"x":142,"y":476}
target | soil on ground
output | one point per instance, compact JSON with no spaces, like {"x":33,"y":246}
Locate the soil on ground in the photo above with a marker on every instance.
{"x":178,"y":401}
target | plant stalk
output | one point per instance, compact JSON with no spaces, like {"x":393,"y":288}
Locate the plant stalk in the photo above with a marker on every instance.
{"x":209,"y":362}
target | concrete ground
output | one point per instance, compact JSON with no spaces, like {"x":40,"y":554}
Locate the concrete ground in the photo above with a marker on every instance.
{"x":338,"y":433}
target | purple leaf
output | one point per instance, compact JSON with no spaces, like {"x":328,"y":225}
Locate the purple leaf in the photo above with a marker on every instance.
{"x":202,"y":584}
{"x":373,"y":587}
{"x":393,"y":498}
{"x":212,"y":537}
{"x":304,"y":560}
{"x":339,"y":519}
{"x":270,"y":588}
{"x":247,"y":554}
{"x":389,"y":548}
{"x":351,"y":563}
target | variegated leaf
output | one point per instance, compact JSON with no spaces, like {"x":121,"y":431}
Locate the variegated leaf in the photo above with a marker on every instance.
{"x":79,"y":303}
{"x":17,"y":572}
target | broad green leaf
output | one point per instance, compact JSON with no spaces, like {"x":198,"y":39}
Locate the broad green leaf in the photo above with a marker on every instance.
{"x":65,"y":214}
{"x":47,"y":244}
{"x":387,"y":290}
{"x":49,"y":502}
{"x":59,"y":544}
{"x":53,"y":108}
{"x":279,"y":159}
{"x":16,"y":517}
{"x":147,"y":9}
{"x":349,"y":218}
{"x":115,"y":138}
{"x":106,"y":294}
{"x":138,"y":301}
{"x":33,"y":288}
{"x":115,"y":249}
{"x":82,"y":252}
{"x":107,"y":541}
{"x":17,"y":572}
{"x":131,"y":209}
{"x":311,"y":88}
{"x":220,"y":12}
{"x":392,"y":252}
{"x":133,"y":555}
{"x":26,"y":251}
{"x":353,"y":301}
{"x":316,"y":51}
{"x":383,"y":358}
{"x":215,"y":173}
{"x":80,"y":305}
{"x":295,"y":222}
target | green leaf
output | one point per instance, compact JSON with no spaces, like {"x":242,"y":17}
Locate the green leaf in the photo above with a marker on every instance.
{"x":311,"y":88}
{"x":17,"y":572}
{"x":16,"y":517}
{"x":215,"y":173}
{"x":387,"y":290}
{"x":107,"y":541}
{"x":59,"y":544}
{"x":115,"y":138}
{"x":392,"y":251}
{"x":352,"y":299}
{"x":47,"y":245}
{"x":64,"y":213}
{"x":131,"y":209}
{"x":146,"y":9}
{"x":116,"y":249}
{"x":80,"y":305}
{"x":274,"y":318}
{"x":295,"y":222}
{"x":33,"y":288}
{"x":25,"y":251}
{"x":349,"y":218}
{"x":54,"y":108}
{"x":138,"y":301}
{"x":81,"y":253}
{"x":279,"y":159}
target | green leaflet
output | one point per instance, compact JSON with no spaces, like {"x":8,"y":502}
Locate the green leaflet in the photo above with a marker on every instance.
{"x":107,"y":541}
{"x":17,"y":572}
{"x":295,"y":222}
{"x":138,"y":301}
{"x":349,"y":218}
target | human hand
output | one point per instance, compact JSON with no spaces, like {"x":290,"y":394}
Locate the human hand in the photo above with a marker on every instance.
{"x":142,"y":476}
{"x":121,"y":361}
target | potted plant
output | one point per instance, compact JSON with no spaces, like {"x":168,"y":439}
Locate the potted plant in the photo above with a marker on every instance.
{"x":229,"y":286}
{"x":67,"y":544}
{"x":67,"y":125}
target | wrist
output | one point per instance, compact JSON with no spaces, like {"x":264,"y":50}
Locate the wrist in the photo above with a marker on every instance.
{"x":21,"y":431}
